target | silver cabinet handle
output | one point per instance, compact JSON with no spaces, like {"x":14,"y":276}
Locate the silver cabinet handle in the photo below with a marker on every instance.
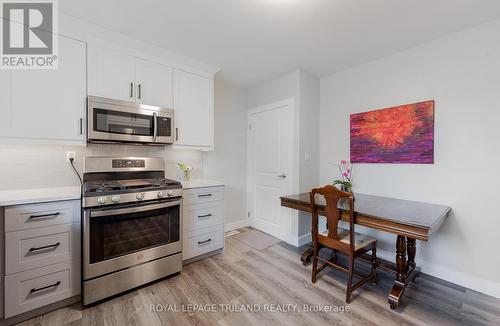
{"x":139,"y":91}
{"x":282,"y":176}
{"x":155,"y":125}
{"x":81,"y":126}
{"x":203,"y":242}
{"x":33,"y":217}
{"x":205,"y":195}
{"x":203,"y":216}
{"x":131,"y":90}
{"x":55,"y":245}
{"x":176,"y":134}
{"x":33,"y":290}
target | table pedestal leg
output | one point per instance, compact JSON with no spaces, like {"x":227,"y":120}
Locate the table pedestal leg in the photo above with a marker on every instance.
{"x":306,"y":256}
{"x":405,"y":270}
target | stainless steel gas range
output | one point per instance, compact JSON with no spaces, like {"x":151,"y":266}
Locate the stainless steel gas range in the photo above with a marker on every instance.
{"x":132,"y":226}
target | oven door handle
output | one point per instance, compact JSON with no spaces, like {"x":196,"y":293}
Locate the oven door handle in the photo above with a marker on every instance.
{"x":144,"y":208}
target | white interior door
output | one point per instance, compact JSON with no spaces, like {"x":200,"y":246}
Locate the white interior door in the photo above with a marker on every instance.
{"x":270,"y":165}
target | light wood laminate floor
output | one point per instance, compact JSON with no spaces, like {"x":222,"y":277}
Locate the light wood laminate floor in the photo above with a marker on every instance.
{"x":243,"y":275}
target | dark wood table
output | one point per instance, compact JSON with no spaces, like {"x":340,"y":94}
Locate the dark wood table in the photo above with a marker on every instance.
{"x":409,"y":220}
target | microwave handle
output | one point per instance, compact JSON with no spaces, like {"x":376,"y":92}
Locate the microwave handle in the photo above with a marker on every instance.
{"x":155,"y":127}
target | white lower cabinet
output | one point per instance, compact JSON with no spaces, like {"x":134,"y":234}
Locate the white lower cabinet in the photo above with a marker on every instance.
{"x":42,"y":286}
{"x":42,"y":255}
{"x":34,"y":248}
{"x":202,"y":241}
{"x":203,"y":221}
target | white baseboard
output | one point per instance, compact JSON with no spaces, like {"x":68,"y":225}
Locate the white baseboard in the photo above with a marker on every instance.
{"x":236,"y":225}
{"x":456,"y":277}
{"x":304,"y":239}
{"x":466,"y":280}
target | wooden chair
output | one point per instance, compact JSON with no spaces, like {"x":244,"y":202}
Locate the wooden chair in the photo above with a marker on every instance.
{"x":345,"y":241}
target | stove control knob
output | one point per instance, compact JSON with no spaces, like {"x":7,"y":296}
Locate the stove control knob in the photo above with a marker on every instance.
{"x":160,"y":194}
{"x":170,"y":193}
{"x":115,"y":199}
{"x":139,"y":196}
{"x":102,"y":200}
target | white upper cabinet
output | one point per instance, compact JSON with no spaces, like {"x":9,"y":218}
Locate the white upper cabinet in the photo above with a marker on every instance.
{"x":123,"y":77}
{"x":194,"y":111}
{"x":5,"y":108}
{"x":111,"y":75}
{"x":154,"y":83}
{"x":47,"y":104}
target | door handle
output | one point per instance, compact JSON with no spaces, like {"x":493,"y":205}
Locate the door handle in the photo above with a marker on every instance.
{"x":139,"y":91}
{"x":131,"y":90}
{"x":282,"y":176}
{"x":176,"y":134}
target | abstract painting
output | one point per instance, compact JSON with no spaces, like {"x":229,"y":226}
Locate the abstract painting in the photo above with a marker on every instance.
{"x":402,"y":134}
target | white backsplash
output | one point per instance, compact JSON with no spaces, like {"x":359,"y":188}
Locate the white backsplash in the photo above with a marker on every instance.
{"x":41,"y":166}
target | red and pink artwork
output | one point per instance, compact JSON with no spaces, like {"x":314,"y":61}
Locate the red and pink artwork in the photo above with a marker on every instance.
{"x":402,"y":134}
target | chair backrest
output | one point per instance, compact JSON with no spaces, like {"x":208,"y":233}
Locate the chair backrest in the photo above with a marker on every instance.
{"x":332,"y":197}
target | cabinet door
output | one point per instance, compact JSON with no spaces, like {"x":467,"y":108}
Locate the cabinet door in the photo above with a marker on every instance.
{"x":154,"y":83}
{"x":111,"y":75}
{"x":48,"y":104}
{"x":194,"y":109}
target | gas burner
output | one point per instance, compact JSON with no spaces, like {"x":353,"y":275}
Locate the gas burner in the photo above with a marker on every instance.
{"x":108,"y":183}
{"x":102,"y":187}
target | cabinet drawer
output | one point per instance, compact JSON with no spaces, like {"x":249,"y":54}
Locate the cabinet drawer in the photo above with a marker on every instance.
{"x":202,"y":195}
{"x":28,"y":249}
{"x":202,"y":241}
{"x":201,"y":216}
{"x":38,"y":215}
{"x":42,"y":286}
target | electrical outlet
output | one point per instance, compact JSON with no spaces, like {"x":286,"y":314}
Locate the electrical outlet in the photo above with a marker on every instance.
{"x":70,"y":155}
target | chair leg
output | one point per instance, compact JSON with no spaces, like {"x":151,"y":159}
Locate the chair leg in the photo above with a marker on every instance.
{"x":374,"y":265}
{"x":349,"y":279}
{"x":314,"y":265}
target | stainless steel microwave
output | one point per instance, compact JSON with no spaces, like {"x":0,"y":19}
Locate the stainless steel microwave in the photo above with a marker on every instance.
{"x":112,"y":121}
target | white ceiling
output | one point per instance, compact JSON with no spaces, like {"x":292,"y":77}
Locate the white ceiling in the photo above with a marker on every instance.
{"x":254,"y":40}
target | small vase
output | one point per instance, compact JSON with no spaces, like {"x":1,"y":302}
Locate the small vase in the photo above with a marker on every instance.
{"x":187,"y":176}
{"x":345,"y":188}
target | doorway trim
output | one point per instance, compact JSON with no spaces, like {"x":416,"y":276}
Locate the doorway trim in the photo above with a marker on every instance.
{"x":291,"y":233}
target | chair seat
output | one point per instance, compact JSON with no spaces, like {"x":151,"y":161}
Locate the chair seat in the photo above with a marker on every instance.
{"x":361,"y":239}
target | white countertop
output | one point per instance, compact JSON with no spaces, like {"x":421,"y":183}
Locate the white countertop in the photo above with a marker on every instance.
{"x":41,"y":195}
{"x":201,"y":183}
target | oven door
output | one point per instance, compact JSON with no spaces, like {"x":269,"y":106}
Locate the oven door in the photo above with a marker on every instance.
{"x":119,"y":121}
{"x":114,"y":239}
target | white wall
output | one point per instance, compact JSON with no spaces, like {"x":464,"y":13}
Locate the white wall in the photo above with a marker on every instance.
{"x":308,"y":145}
{"x":228,"y":162}
{"x":461,"y":73}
